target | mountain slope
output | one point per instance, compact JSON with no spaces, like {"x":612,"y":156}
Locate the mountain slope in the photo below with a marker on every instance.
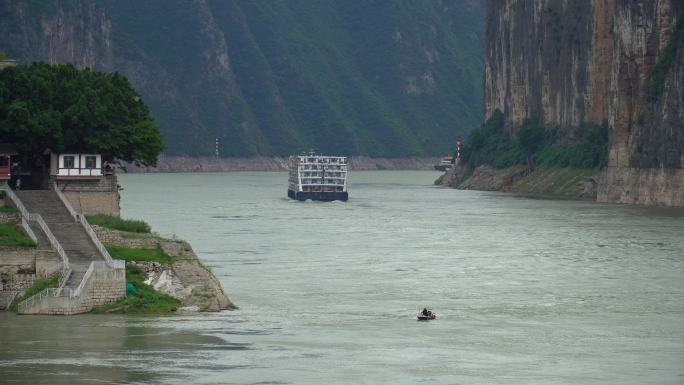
{"x":379,"y":78}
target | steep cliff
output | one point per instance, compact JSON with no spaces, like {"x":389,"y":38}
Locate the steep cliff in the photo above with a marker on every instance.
{"x":589,"y":61}
{"x":380,"y":78}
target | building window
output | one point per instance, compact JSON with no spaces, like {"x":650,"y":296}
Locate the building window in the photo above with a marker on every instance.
{"x":69,"y":161}
{"x":90,"y":161}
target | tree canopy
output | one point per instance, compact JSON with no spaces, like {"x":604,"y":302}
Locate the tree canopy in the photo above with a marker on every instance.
{"x":62,"y":108}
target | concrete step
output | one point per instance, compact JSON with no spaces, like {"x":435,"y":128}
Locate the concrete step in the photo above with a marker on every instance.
{"x":75,"y":278}
{"x":43,"y":241}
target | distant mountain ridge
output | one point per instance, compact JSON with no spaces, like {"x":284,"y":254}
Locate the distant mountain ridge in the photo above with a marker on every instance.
{"x":376,"y":78}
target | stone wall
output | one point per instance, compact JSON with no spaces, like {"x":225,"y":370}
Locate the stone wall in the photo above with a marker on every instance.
{"x":10,"y":217}
{"x":20,"y":266}
{"x":18,"y":282}
{"x":97,"y":196}
{"x":103,"y":287}
{"x":115,"y":238}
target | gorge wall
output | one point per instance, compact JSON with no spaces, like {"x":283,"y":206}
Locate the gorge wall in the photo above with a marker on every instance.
{"x":391,"y":79}
{"x":589,"y":61}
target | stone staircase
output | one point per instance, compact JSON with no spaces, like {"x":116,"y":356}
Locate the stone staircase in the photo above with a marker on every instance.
{"x":93,"y":277}
{"x":70,"y":234}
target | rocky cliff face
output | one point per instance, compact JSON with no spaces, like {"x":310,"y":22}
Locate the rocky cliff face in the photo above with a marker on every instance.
{"x":392,"y":78}
{"x":619,"y":61}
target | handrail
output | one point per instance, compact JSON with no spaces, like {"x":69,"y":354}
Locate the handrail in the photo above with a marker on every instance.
{"x":93,"y":237}
{"x":66,"y":203}
{"x":17,"y":202}
{"x":53,"y":240}
{"x":88,"y":229}
{"x":63,"y":291}
{"x":27,"y":228}
{"x":85,"y":279}
{"x":29,"y":302}
{"x":64,"y":278}
{"x":26,"y":216}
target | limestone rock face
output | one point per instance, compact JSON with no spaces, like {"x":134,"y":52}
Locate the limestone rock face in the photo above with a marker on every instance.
{"x":588,"y":61}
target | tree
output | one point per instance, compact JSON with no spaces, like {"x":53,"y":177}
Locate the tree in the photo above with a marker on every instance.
{"x":61,"y":108}
{"x":531,"y":137}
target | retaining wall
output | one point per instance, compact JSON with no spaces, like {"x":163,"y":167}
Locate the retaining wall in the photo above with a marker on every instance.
{"x":96,"y":196}
{"x":103,"y":287}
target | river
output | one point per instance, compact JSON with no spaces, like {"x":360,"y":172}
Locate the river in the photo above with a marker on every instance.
{"x":528,"y":290}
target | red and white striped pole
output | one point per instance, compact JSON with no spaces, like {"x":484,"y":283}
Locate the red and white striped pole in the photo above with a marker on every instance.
{"x":458,"y":150}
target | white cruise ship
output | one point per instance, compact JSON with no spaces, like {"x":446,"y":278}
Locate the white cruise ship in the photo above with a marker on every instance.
{"x":317,"y":177}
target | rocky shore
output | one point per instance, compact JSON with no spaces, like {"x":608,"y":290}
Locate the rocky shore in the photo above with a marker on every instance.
{"x":185,"y":279}
{"x":567,"y":182}
{"x":212,"y":164}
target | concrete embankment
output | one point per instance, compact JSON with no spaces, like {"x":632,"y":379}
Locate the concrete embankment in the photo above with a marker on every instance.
{"x":211,"y":164}
{"x":568,"y":182}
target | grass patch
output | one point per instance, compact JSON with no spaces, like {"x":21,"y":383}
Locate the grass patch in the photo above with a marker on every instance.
{"x":38,"y":286}
{"x":139,"y":254}
{"x":12,"y":235}
{"x":118,"y":223}
{"x":145,"y":301}
{"x":4,"y":209}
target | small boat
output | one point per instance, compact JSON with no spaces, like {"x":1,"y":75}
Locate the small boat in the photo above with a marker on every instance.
{"x":431,"y":315}
{"x":445,"y":164}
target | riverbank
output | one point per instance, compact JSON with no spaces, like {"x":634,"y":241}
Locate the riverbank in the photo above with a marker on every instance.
{"x":212,"y":164}
{"x":566,"y":182}
{"x":168,"y":267}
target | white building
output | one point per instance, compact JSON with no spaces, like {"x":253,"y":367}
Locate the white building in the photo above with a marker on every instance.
{"x":76,"y":166}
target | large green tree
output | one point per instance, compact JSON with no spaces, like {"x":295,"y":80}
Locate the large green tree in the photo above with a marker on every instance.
{"x":61,"y":108}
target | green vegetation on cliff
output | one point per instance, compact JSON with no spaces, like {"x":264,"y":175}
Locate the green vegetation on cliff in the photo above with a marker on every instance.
{"x":380,"y":78}
{"x":65,"y":109}
{"x":536,"y":145}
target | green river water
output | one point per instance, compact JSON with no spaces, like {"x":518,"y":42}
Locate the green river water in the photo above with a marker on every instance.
{"x":528,"y":290}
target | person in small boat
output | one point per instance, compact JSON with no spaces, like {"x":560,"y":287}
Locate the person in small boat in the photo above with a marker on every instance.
{"x":425,"y":312}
